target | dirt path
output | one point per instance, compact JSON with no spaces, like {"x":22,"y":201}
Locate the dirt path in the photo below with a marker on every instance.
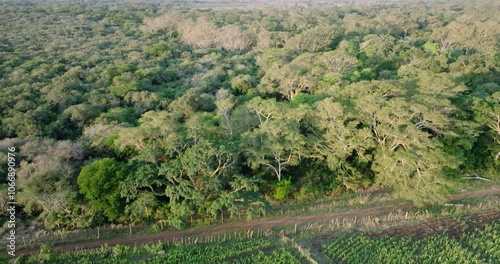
{"x":254,"y":224}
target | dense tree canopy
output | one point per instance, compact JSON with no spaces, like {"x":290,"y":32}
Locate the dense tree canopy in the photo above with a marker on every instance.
{"x":146,"y":112}
{"x":99,"y":182}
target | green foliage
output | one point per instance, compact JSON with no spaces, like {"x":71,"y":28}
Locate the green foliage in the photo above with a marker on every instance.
{"x":117,"y":69}
{"x":479,"y":247}
{"x":120,"y":250}
{"x":309,"y":192}
{"x":46,"y":252}
{"x":277,"y":143}
{"x":306,"y":99}
{"x":431,"y":48}
{"x":484,"y":243}
{"x":201,"y":103}
{"x":283,"y":189}
{"x":117,"y":116}
{"x":141,"y":209}
{"x":365,"y":74}
{"x":242,"y":83}
{"x":157,"y":50}
{"x":476,"y":246}
{"x":99,"y":183}
{"x":231,"y":251}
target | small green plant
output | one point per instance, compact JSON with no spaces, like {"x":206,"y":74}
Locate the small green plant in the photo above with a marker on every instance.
{"x":283,"y":189}
{"x":46,"y":252}
{"x":154,"y":248}
{"x":309,"y":192}
{"x":120,"y":249}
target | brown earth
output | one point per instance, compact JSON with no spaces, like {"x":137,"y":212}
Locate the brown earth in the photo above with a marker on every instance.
{"x":254,"y":224}
{"x":445,"y":225}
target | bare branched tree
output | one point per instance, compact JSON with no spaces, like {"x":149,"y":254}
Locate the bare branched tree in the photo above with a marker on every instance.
{"x":232,"y":38}
{"x":166,"y":23}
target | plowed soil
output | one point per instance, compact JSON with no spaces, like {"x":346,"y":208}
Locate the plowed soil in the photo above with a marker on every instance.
{"x":445,"y":225}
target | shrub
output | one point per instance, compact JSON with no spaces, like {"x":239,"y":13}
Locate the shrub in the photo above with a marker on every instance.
{"x":283,"y":189}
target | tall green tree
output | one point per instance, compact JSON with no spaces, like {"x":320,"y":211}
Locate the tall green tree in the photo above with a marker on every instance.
{"x":291,"y":79}
{"x":278,"y":142}
{"x":338,"y":137}
{"x":99,"y":182}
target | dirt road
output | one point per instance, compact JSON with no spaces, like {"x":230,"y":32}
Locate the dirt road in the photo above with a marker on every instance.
{"x":254,"y":224}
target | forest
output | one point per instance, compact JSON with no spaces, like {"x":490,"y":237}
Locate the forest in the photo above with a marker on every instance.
{"x":148,"y":112}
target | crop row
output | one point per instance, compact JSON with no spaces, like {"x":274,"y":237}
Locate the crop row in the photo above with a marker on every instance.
{"x":243,"y":251}
{"x":481,"y":246}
